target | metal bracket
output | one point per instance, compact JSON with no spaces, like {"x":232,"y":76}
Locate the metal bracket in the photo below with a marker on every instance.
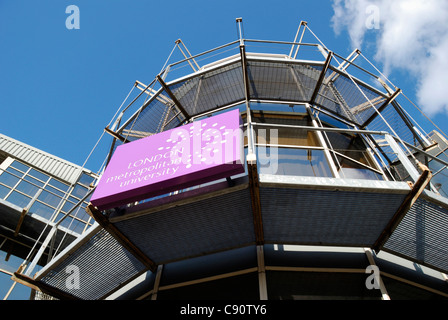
{"x":173,"y":97}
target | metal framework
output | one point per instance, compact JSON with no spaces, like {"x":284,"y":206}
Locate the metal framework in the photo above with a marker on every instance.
{"x":379,"y":175}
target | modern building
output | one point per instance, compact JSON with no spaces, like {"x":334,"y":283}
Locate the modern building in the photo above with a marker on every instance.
{"x":39,"y":192}
{"x":343,"y":194}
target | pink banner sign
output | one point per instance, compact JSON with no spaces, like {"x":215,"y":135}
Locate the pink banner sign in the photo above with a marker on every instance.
{"x":200,"y":152}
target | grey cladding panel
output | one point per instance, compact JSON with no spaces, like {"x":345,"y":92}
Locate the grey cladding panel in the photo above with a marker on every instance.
{"x":324,"y":217}
{"x":422,"y":235}
{"x":46,"y":162}
{"x":103,"y":265}
{"x":193,"y":229}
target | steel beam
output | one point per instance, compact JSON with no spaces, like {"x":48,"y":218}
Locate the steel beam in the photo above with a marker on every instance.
{"x":262,"y":283}
{"x":187,"y":58}
{"x":408,"y":123}
{"x":408,"y":202}
{"x":254,"y":185}
{"x":384,"y":293}
{"x":389,"y":100}
{"x":402,"y":157}
{"x":321,"y":77}
{"x":40,"y":286}
{"x":157,"y":282}
{"x":304,"y":24}
{"x":124,"y":241}
{"x":173,"y":97}
{"x":116,"y":135}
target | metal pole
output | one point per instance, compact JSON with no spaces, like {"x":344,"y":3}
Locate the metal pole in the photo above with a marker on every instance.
{"x":251,"y":158}
{"x":304,"y":23}
{"x":384,"y":294}
{"x":41,"y":251}
{"x":402,"y":157}
{"x":10,"y":290}
{"x":262,"y":274}
{"x":185,"y":56}
{"x":157,"y":282}
{"x":239,"y":23}
{"x":330,"y":161}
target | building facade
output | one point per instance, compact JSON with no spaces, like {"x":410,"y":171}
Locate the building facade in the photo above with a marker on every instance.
{"x":38,"y":192}
{"x":343,"y":196}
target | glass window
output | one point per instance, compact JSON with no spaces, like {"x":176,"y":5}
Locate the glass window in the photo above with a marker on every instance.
{"x":19,"y":199}
{"x":72,"y":224}
{"x":81,"y":214}
{"x":55,"y":191}
{"x":14,"y":172}
{"x":79,"y":191}
{"x":69,"y":204}
{"x":3,"y":191}
{"x":352,"y":157}
{"x":398,"y":290}
{"x":284,"y":135}
{"x":38,"y":175}
{"x":34,"y":181}
{"x":440,"y":174}
{"x":287,"y":119}
{"x":42,"y":210}
{"x":333,"y":122}
{"x":276,"y":107}
{"x":27,"y":188}
{"x":351,"y":146}
{"x":8,"y":179}
{"x":78,"y":226}
{"x":57,"y":184}
{"x":20,"y":166}
{"x":290,"y":161}
{"x":353,"y":170}
{"x":87,"y":199}
{"x":86,"y":179}
{"x":49,"y":198}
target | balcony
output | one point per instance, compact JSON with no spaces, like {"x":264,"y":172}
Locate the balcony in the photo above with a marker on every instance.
{"x":323,"y":168}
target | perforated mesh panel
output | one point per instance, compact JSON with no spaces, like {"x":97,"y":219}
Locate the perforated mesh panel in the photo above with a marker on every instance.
{"x":153,"y":118}
{"x":354,"y":96}
{"x":422,"y":235}
{"x":193,"y":229}
{"x":281,"y":81}
{"x":270,"y":80}
{"x":213,"y":89}
{"x":103,"y":265}
{"x":326,"y":217}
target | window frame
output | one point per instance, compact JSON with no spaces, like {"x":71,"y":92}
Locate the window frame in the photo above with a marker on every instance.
{"x":51,"y":186}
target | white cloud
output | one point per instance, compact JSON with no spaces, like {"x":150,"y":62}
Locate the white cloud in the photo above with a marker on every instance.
{"x":433,"y":90}
{"x":412,"y":35}
{"x":350,"y":15}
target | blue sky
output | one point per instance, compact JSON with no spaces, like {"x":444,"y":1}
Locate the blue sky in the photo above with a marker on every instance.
{"x":59,"y":88}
